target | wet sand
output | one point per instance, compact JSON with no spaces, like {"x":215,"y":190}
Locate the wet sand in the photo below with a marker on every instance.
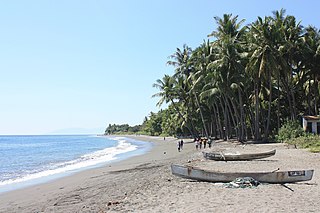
{"x":145,"y":184}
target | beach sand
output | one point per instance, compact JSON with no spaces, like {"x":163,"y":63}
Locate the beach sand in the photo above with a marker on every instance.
{"x":145,"y":184}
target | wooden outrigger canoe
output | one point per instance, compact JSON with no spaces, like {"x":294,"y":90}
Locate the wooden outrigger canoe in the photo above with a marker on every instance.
{"x":220,"y":156}
{"x":263,"y":177}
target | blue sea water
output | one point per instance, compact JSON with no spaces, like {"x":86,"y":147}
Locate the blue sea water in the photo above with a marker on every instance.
{"x":27,"y":160}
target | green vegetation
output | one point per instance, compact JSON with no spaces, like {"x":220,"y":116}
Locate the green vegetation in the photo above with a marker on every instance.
{"x":311,"y":142}
{"x":245,"y":82}
{"x":292,"y":133}
{"x":122,"y":129}
{"x":163,"y":123}
{"x":290,"y":130}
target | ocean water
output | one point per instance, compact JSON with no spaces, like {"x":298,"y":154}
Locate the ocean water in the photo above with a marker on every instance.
{"x":28,"y":160}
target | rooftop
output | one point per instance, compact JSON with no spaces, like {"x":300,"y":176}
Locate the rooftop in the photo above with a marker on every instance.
{"x":311,"y":117}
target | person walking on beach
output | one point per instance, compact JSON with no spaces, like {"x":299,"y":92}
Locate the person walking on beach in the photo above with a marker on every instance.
{"x":197,"y":143}
{"x":179,"y":146}
{"x":209,"y":142}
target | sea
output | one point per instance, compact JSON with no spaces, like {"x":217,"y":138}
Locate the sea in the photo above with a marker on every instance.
{"x":29,"y":160}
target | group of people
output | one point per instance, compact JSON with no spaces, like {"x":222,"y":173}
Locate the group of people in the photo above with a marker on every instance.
{"x":202,"y":141}
{"x":180,"y":145}
{"x":199,"y":142}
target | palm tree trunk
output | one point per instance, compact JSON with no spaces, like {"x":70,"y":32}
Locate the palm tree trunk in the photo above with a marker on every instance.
{"x":225,"y":123}
{"x":233,"y":120}
{"x":287,"y":87}
{"x":218,"y":119}
{"x":278,"y":104}
{"x":257,"y":113}
{"x":292,"y":98}
{"x":249,"y":114}
{"x":241,"y":117}
{"x":201,"y":114}
{"x":316,"y":94}
{"x":251,"y":121}
{"x":212,"y":120}
{"x":293,"y":104}
{"x":266,"y":134}
{"x":309,"y":97}
{"x":290,"y":104}
{"x":235,"y":123}
{"x":195,"y":132}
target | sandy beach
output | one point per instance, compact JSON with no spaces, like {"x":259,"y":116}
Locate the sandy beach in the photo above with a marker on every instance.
{"x":145,"y":184}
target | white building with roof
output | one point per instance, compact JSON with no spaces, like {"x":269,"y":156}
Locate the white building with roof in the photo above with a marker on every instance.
{"x":311,"y":124}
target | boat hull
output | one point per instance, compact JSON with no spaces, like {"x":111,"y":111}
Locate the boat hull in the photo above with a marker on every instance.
{"x":263,"y":177}
{"x":219,"y":156}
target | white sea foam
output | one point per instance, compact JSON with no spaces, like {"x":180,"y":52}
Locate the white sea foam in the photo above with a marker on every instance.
{"x":87,"y":160}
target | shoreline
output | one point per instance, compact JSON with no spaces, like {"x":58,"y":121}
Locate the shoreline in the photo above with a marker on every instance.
{"x":49,"y":175}
{"x":69,"y":183}
{"x":144,"y":183}
{"x":114,"y":162}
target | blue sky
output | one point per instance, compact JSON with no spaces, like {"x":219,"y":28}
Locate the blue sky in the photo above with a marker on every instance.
{"x":85,"y":64}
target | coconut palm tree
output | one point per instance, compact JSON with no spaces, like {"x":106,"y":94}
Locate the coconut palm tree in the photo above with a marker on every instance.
{"x":292,"y":54}
{"x":263,"y":61}
{"x":181,"y":61}
{"x":167,"y":94}
{"x":200,"y":60}
{"x":312,"y":62}
{"x":230,"y":70}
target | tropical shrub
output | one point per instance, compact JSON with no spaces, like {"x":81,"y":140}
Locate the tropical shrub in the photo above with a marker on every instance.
{"x":311,"y":142}
{"x":290,"y":130}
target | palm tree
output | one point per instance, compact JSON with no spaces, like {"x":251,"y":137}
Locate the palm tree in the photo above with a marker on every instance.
{"x":201,"y":59}
{"x":168,"y":94}
{"x":181,"y":61}
{"x":229,"y":68}
{"x":312,"y":62}
{"x":262,"y":64}
{"x":292,"y":54}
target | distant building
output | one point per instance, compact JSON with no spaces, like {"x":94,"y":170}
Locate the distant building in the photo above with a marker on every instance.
{"x":311,"y":124}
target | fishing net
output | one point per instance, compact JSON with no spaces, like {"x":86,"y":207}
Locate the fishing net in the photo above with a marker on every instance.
{"x":243,"y":182}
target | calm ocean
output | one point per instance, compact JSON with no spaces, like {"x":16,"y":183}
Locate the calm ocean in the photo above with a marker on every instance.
{"x":28,"y":160}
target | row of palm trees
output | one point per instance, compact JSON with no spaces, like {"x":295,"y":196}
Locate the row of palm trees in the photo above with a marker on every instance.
{"x":247,"y":80}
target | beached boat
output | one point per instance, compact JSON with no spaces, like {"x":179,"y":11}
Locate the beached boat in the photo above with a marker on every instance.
{"x":263,"y":177}
{"x":220,"y":156}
